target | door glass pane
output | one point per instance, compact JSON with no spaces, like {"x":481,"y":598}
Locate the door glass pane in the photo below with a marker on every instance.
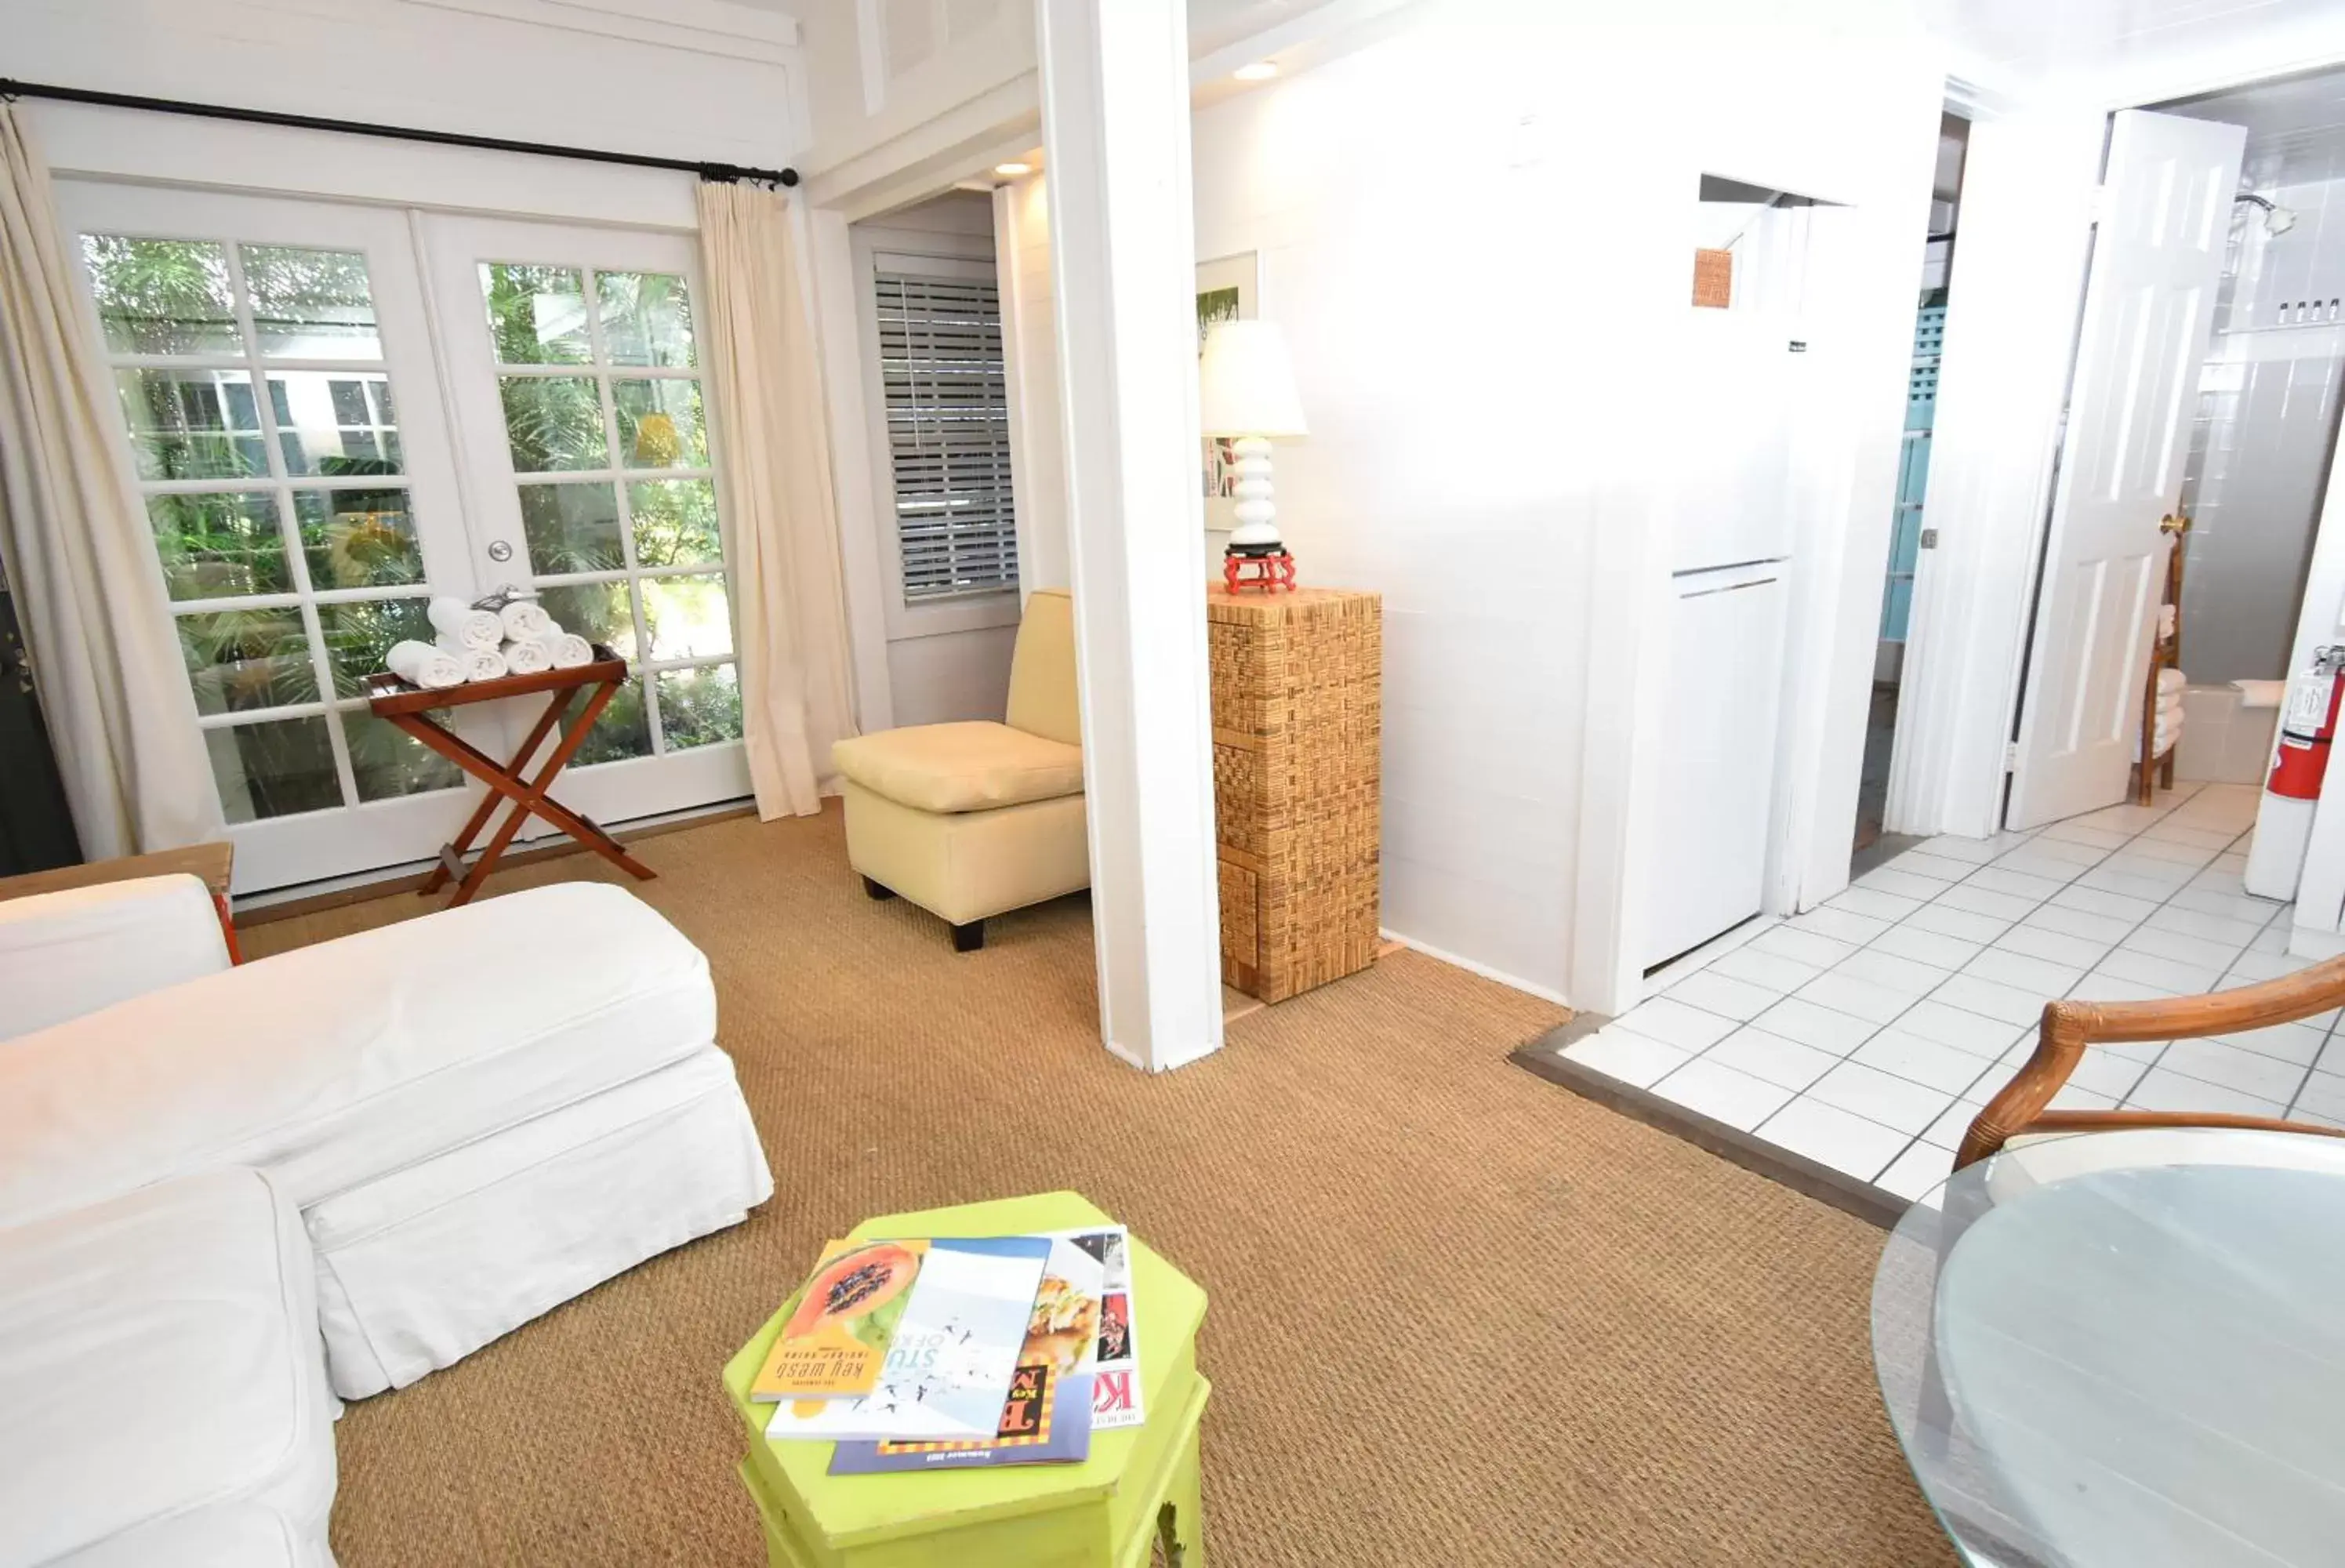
{"x":675,"y":522}
{"x":220,"y":546}
{"x":243,"y":658}
{"x":162,"y":296}
{"x":646,"y":318}
{"x":537,"y":315}
{"x":659,"y":424}
{"x":357,"y":538}
{"x":623,"y":731}
{"x":597,"y":612}
{"x":687,"y":617}
{"x":192,"y":424}
{"x":699,"y":705}
{"x":389,"y":763}
{"x":338,"y":425}
{"x":359,"y":635}
{"x":574,"y":527}
{"x":312,"y":304}
{"x":555,"y":422}
{"x":274,"y":769}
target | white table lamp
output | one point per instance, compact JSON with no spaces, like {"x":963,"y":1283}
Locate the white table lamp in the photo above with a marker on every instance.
{"x":1245,"y":387}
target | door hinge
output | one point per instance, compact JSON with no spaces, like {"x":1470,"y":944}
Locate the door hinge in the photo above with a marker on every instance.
{"x":2010,"y":756}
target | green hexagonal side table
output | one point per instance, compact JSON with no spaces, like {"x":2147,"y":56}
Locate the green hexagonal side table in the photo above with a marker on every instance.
{"x":1138,"y":1490}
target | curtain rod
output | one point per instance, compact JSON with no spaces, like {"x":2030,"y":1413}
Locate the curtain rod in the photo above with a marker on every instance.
{"x":722,"y":172}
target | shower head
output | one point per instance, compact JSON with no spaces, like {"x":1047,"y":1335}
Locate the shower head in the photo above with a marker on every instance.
{"x":2277,"y":219}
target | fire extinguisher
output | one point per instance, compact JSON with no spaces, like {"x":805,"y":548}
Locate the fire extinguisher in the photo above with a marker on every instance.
{"x":2307,"y":728}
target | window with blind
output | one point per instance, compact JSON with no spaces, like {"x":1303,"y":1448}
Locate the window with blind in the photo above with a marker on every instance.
{"x":948,"y":411}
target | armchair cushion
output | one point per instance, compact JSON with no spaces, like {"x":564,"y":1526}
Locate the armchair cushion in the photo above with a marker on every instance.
{"x":1042,"y":691}
{"x":957,"y":767}
{"x":65,"y":954}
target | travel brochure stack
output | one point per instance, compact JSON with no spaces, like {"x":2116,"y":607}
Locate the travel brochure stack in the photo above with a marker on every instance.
{"x":954,"y":1353}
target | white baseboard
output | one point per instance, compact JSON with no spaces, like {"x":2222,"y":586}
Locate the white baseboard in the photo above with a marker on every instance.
{"x":1543,"y":993}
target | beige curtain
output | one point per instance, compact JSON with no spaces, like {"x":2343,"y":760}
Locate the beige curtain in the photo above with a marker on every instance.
{"x":82,"y":563}
{"x":781,"y":536}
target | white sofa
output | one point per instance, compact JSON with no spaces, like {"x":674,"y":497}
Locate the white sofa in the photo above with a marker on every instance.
{"x":228,"y":1194}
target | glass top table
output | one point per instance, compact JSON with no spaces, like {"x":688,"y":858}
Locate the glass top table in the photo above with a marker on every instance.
{"x":2127,"y":1349}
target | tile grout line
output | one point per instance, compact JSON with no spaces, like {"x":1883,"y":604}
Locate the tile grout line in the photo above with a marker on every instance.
{"x":1992,"y":1065}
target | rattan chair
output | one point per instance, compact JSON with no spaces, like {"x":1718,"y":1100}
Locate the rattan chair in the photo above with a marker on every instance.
{"x":2019,"y":1110}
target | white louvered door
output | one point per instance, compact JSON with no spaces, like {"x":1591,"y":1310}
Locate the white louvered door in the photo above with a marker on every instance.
{"x":945,"y":399}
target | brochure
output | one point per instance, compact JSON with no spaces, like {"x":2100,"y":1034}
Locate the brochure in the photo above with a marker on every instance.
{"x":1046,"y":1417}
{"x":950,"y":1357}
{"x":1115,"y":1369}
{"x":834,"y":1343}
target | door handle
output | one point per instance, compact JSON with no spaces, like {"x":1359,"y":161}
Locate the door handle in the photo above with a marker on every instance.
{"x":2173,"y":522}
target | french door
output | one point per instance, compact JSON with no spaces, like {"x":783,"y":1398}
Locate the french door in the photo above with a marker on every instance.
{"x":281,"y":414}
{"x":589,"y":449}
{"x":314,"y":409}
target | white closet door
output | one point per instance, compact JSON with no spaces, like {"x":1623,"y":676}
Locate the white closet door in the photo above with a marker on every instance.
{"x":281,"y":419}
{"x":588,"y":440}
{"x":2150,"y":305}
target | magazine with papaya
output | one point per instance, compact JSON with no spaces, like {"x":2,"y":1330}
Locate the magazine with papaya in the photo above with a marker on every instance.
{"x":836,"y":1342}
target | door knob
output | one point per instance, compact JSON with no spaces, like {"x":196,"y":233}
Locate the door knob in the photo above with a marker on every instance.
{"x":2173,"y":523}
{"x":500,"y":551}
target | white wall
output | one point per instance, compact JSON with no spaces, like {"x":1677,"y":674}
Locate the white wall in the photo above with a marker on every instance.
{"x":708,"y":80}
{"x":2260,"y":444}
{"x":1030,"y":341}
{"x":1476,"y":235}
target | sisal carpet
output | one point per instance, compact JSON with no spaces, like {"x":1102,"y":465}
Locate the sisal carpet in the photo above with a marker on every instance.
{"x":1458,"y":1315}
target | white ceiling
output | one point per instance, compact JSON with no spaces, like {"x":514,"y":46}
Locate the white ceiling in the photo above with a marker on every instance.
{"x":2115,"y":51}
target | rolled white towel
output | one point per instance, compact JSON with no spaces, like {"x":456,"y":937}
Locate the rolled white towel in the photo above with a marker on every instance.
{"x":484,"y":665}
{"x":527,"y":659}
{"x":2165,"y":621}
{"x":566,"y":648}
{"x":2171,"y":680}
{"x":469,"y":627}
{"x":422,"y":664}
{"x":524,"y":622}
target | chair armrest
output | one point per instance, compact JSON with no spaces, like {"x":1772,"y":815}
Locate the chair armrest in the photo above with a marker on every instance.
{"x":2069,"y":1027}
{"x":63,"y":954}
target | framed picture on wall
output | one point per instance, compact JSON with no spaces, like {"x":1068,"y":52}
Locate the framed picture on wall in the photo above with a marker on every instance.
{"x":1229,"y":288}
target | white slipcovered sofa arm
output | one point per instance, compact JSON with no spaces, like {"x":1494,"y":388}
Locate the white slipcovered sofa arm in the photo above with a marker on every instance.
{"x":63,"y":954}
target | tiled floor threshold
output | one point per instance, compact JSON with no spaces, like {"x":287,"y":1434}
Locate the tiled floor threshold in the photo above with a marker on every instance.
{"x":1866,"y":1034}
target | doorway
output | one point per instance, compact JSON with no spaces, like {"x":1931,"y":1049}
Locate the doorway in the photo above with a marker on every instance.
{"x":333,"y":412}
{"x":1871,"y":846}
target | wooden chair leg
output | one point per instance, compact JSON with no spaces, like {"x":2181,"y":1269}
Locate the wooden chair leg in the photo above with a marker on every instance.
{"x":968,"y":938}
{"x":876,"y":893}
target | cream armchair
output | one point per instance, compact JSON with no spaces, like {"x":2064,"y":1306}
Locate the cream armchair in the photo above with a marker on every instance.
{"x":968,"y":820}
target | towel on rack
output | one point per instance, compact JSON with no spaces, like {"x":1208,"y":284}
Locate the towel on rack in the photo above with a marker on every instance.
{"x":479,"y":663}
{"x":424,"y":664}
{"x":527,"y":658}
{"x":523,"y":621}
{"x":451,"y":617}
{"x":567,"y":650}
{"x":2166,"y":622}
{"x":2171,"y":680}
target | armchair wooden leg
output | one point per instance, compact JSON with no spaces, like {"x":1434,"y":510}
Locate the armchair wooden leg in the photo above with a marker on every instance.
{"x":876,"y":893}
{"x":968,"y":938}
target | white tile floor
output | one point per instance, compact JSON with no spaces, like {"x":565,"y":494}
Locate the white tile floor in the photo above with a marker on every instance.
{"x":1868,"y":1032}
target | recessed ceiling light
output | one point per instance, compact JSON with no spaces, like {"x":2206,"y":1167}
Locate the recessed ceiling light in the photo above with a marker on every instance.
{"x":1013,"y":169}
{"x":1260,"y":71}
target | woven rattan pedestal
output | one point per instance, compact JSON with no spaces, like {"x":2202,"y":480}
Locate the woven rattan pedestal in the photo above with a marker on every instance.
{"x":1298,"y":680}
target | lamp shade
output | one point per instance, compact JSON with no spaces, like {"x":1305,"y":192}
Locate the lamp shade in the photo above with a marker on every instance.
{"x":1245,"y":382}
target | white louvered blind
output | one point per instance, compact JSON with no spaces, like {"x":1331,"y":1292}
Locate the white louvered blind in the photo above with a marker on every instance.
{"x":947,"y":433}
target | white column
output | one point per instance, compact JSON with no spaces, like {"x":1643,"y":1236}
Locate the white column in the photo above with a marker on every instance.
{"x":1115,"y":132}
